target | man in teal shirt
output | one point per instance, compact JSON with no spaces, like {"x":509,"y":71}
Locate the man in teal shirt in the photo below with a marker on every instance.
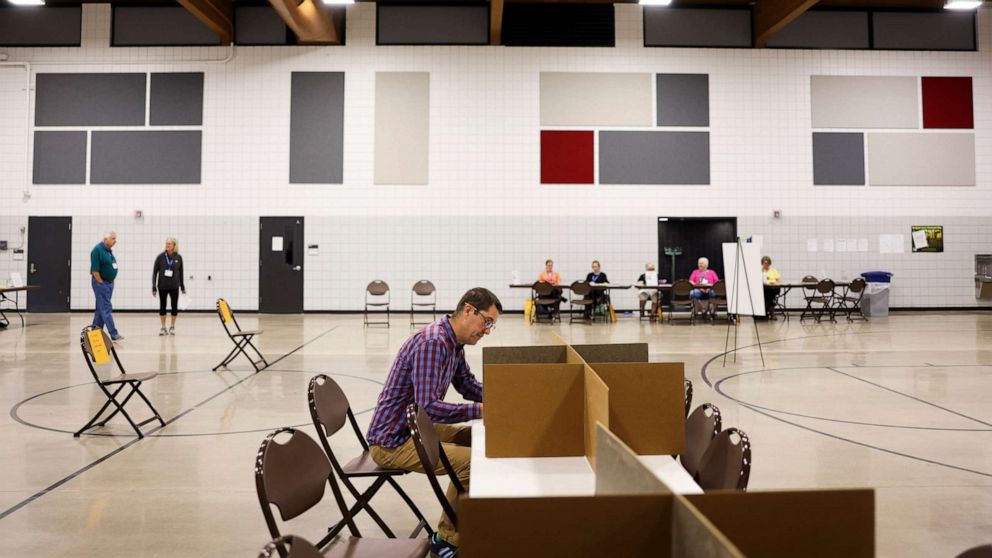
{"x":103,"y":268}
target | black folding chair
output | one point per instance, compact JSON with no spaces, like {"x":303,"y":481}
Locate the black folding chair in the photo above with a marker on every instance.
{"x":825,"y":299}
{"x":240,"y":337}
{"x":809,"y":293}
{"x":850,"y":301}
{"x":329,"y":408}
{"x":98,"y":350}
{"x":546,"y":297}
{"x":682,"y":299}
{"x":429,"y":449}
{"x":582,"y":297}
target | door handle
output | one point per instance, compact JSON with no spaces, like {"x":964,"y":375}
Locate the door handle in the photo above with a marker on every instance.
{"x":33,"y":269}
{"x":297,"y":267}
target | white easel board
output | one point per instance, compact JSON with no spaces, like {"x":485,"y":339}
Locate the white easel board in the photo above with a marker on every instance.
{"x":748,"y":275}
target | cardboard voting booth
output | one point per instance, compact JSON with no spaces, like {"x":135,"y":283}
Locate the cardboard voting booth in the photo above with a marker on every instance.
{"x":545,"y":401}
{"x":634,"y":514}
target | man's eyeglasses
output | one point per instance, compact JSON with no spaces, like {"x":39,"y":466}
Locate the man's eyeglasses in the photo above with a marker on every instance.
{"x":490,"y":323}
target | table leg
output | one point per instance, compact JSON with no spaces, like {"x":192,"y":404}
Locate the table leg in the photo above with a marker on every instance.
{"x":17,"y":307}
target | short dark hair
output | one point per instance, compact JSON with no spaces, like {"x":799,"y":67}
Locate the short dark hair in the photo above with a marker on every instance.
{"x":548,"y":261}
{"x":481,"y":299}
{"x":596,"y":262}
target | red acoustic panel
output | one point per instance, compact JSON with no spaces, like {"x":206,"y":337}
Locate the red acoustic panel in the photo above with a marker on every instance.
{"x":566,"y":157}
{"x":947,"y":102}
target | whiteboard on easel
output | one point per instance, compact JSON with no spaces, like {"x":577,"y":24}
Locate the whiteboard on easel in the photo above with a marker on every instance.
{"x":749,"y":275}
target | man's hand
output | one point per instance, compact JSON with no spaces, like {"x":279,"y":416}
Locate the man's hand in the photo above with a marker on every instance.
{"x":154,"y":293}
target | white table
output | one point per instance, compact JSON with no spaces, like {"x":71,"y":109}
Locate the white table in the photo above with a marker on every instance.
{"x":505,"y":477}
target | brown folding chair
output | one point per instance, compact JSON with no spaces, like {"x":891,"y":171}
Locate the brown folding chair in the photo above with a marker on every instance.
{"x":429,"y":449}
{"x":850,"y":301}
{"x":700,"y":428}
{"x":291,"y":546}
{"x":329,"y":408}
{"x":809,"y":292}
{"x":726,"y":465}
{"x":824,"y":297}
{"x":377,"y":296}
{"x":291,"y":476}
{"x":423,"y":295}
{"x":298,"y":547}
{"x":240,"y":337}
{"x":97,"y":351}
{"x":582,"y":297}
{"x":688,"y":397}
{"x":719,"y":301}
{"x":682,"y":299}
{"x":546,"y":295}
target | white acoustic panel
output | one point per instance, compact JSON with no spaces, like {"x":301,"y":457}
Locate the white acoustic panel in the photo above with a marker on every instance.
{"x":596,"y":99}
{"x":865,"y":102}
{"x":921,"y":159}
{"x":402,"y":127}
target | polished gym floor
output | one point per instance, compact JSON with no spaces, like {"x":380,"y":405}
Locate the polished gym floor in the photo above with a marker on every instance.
{"x":899,"y":404}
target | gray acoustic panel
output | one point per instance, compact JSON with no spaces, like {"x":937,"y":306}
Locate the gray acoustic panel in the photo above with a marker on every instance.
{"x":259,"y":25}
{"x":41,"y":26}
{"x":316,"y":130}
{"x":159,"y":26}
{"x":176,"y":99}
{"x":824,"y":29}
{"x":89,"y":100}
{"x":654,"y":157}
{"x":698,"y":27}
{"x":145,"y":157}
{"x":59,"y":158}
{"x":838,"y":159}
{"x":924,"y":30}
{"x":398,"y":24}
{"x":683,"y":99}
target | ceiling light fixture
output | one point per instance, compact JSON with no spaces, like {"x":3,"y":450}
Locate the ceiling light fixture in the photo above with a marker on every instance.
{"x":962,"y":5}
{"x":27,"y":2}
{"x":655,"y":2}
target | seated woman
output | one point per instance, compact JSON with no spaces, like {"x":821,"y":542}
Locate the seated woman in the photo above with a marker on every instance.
{"x":599,"y":296}
{"x":703,"y":277}
{"x":550,"y":276}
{"x":771,"y":278}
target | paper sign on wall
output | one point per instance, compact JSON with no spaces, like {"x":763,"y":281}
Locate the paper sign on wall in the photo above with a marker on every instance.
{"x":100,"y":353}
{"x":811,"y":245}
{"x":277,"y":244}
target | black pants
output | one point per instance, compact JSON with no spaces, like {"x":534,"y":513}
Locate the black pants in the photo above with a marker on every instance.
{"x":172,"y":294}
{"x":770,"y":293}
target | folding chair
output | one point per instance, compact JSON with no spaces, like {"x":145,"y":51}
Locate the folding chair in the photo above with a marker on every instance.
{"x":429,"y":449}
{"x":423,"y":295}
{"x":688,"y":397}
{"x":291,"y":476}
{"x":240,"y":337}
{"x":681,"y":298}
{"x":582,"y":297}
{"x":379,"y":292}
{"x":809,"y":292}
{"x":850,"y":301}
{"x":547,"y":295}
{"x":719,"y":301}
{"x":824,"y":297}
{"x":97,"y":350}
{"x":726,"y":465}
{"x":329,"y":408}
{"x":700,"y":428}
{"x":353,"y":548}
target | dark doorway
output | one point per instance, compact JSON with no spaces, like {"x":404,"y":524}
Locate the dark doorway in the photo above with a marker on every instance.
{"x":50,"y":263}
{"x":280,"y":265}
{"x":694,"y":237}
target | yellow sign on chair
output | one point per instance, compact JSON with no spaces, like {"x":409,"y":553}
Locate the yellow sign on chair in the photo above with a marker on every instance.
{"x":101,"y":355}
{"x":225,"y":311}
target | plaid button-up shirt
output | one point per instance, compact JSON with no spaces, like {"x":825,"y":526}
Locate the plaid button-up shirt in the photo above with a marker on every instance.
{"x":428,"y":363}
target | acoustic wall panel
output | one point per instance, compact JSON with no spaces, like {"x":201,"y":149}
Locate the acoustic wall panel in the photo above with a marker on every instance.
{"x":59,"y":158}
{"x":595,"y":99}
{"x":921,"y":159}
{"x":401,"y":24}
{"x":316,"y":129}
{"x":145,"y":157}
{"x":176,"y":99}
{"x":559,"y":24}
{"x":838,"y":159}
{"x":695,"y":27}
{"x":41,"y":26}
{"x":824,"y":29}
{"x":864,"y":102}
{"x":683,"y":99}
{"x":90,"y":100}
{"x":259,"y":25}
{"x":566,"y":157}
{"x":924,"y":30}
{"x":159,"y":26}
{"x":402,"y":127}
{"x":947,"y":102}
{"x":637,"y":157}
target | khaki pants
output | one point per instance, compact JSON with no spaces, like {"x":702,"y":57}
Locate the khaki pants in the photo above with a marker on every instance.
{"x":457,"y":443}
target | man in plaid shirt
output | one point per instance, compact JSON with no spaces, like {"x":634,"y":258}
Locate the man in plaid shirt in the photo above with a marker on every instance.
{"x":428,"y":363}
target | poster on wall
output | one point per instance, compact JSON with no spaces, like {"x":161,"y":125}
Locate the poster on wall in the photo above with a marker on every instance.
{"x":928,"y":238}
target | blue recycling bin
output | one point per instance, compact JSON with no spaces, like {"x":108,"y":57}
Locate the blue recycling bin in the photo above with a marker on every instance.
{"x":875,"y":301}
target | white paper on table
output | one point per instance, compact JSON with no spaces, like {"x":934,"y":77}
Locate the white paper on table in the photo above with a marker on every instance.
{"x":862,"y":245}
{"x":277,"y":244}
{"x":828,"y":245}
{"x":811,"y":245}
{"x":919,"y":239}
{"x":749,"y":275}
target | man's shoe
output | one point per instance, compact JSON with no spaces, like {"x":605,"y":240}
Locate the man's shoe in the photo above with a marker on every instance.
{"x":162,"y":332}
{"x":117,"y":337}
{"x":441,"y":548}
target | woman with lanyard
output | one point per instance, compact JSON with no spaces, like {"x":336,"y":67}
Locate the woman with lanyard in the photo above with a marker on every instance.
{"x":599,"y":296}
{"x":167,"y":280}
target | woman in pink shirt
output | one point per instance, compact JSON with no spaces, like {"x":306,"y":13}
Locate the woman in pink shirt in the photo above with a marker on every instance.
{"x":703,"y":277}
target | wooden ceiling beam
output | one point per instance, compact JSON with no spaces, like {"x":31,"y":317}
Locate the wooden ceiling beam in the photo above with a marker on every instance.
{"x":217,"y":15}
{"x":770,"y":16}
{"x":311,"y":20}
{"x":495,"y":22}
